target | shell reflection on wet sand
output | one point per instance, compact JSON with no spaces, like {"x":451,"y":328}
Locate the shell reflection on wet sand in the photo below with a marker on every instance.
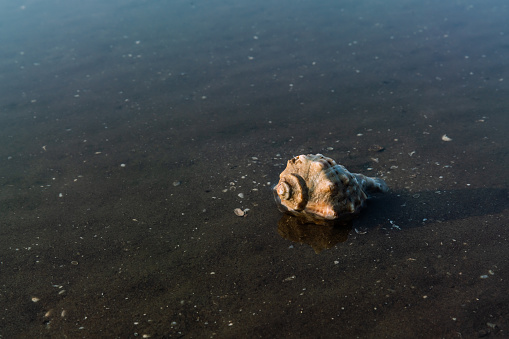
{"x":316,"y":186}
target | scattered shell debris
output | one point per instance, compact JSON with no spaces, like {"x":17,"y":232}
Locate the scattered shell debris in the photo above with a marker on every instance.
{"x":249,"y":178}
{"x":486,"y":276}
{"x":241,"y":212}
{"x":289,"y":278}
{"x":446,"y":138}
{"x":393,"y":225}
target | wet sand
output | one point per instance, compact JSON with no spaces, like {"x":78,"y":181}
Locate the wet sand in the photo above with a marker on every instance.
{"x":100,"y":114}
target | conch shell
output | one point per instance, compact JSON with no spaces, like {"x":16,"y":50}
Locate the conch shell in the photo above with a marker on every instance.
{"x":316,"y":187}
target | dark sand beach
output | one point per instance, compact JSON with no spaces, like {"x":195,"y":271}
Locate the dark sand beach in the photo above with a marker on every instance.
{"x":128,"y":129}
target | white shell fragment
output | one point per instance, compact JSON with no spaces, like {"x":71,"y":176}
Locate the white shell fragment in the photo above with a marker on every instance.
{"x":316,"y":187}
{"x":446,"y":138}
{"x":238,"y":212}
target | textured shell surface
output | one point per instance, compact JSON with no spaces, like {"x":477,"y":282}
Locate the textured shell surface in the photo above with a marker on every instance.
{"x":315,"y":185}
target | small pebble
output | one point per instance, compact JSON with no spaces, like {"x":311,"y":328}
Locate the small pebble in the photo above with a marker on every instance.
{"x":241,"y":195}
{"x":492,"y":325}
{"x":446,"y":138}
{"x":122,"y":165}
{"x":239,"y":212}
{"x":35,"y":299}
{"x":289,"y":278}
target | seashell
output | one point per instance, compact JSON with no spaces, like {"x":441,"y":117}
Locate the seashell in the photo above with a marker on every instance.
{"x":315,"y":186}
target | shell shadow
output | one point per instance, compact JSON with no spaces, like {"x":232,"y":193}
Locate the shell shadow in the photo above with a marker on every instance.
{"x":416,"y":209}
{"x":401,"y":209}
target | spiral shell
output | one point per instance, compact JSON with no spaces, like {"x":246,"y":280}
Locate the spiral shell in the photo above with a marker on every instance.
{"x":315,"y":185}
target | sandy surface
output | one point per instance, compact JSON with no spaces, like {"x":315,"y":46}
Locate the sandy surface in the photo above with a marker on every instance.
{"x":128,"y":131}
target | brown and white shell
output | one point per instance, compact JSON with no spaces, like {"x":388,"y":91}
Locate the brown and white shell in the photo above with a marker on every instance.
{"x":316,"y":186}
